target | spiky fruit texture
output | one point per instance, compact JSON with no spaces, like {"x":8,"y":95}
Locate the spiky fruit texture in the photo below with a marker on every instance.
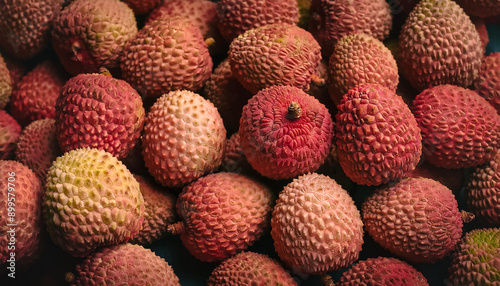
{"x":25,"y":25}
{"x":250,"y":268}
{"x":236,"y":17}
{"x":234,"y":159}
{"x":9,"y":133}
{"x":460,"y":129}
{"x":159,"y":211}
{"x":316,"y":226}
{"x":36,"y":94}
{"x":98,"y":111}
{"x":483,"y":191}
{"x":222,"y":214}
{"x":382,"y":271}
{"x":480,"y":8}
{"x":285,"y":132}
{"x":377,"y":136}
{"x":275,"y":54}
{"x":475,"y":262}
{"x":414,"y":218}
{"x":37,"y":146}
{"x":488,"y":82}
{"x":142,"y":7}
{"x":91,"y":201}
{"x":90,"y":34}
{"x":167,"y":54}
{"x":227,"y":94}
{"x":125,"y":264}
{"x":5,"y":84}
{"x":439,"y":44}
{"x":21,"y":195}
{"x":184,"y":138}
{"x":333,"y":19}
{"x":358,"y":59}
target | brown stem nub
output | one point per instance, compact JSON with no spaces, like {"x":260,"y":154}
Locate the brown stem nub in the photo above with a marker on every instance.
{"x":210,"y":41}
{"x":176,"y":228}
{"x":318,"y":81}
{"x":294,"y":110}
{"x":467,"y":216}
{"x":327,"y":280}
{"x":69,"y":277}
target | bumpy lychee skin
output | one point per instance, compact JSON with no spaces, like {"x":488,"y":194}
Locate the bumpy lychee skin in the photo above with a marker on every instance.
{"x":9,"y":134}
{"x":333,"y":19}
{"x":37,"y":146}
{"x":90,"y":34}
{"x":415,"y":218}
{"x":377,"y":136}
{"x":98,"y":111}
{"x":439,"y":44}
{"x":483,"y":191}
{"x":36,"y":94}
{"x":480,"y":8}
{"x":91,"y":201}
{"x":236,"y":17}
{"x":316,"y":226}
{"x":159,"y":211}
{"x":5,"y":84}
{"x":184,"y":138}
{"x":358,"y":59}
{"x":21,"y":195}
{"x":475,"y":262}
{"x":142,"y":7}
{"x":25,"y":25}
{"x":234,"y":159}
{"x":285,"y":132}
{"x":488,"y":82}
{"x":222,"y":214}
{"x":382,"y":271}
{"x":250,"y":268}
{"x":275,"y":54}
{"x":167,"y":54}
{"x":125,"y":264}
{"x":460,"y":129}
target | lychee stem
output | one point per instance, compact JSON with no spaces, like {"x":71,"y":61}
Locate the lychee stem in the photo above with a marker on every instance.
{"x":467,"y":216}
{"x":327,"y":280}
{"x":176,"y":228}
{"x":210,"y":41}
{"x":294,"y":110}
{"x":104,"y":71}
{"x":318,"y":81}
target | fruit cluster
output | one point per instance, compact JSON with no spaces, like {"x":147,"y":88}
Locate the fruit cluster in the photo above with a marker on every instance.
{"x":358,"y":142}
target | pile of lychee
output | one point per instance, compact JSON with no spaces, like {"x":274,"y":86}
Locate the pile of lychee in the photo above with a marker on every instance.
{"x":361,"y":138}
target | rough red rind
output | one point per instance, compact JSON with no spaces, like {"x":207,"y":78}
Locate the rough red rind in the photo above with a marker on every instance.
{"x":236,"y":17}
{"x":17,"y":70}
{"x":488,"y":82}
{"x":480,"y":8}
{"x":416,"y":219}
{"x":127,"y":264}
{"x":159,"y":212}
{"x":460,"y":129}
{"x":316,"y":226}
{"x":483,"y":192}
{"x":25,"y":25}
{"x":167,"y":54}
{"x":142,"y":7}
{"x":5,"y":83}
{"x":333,"y":19}
{"x":36,"y":94}
{"x":184,"y":138}
{"x":91,"y":201}
{"x":223,"y":214}
{"x":275,"y":54}
{"x":19,"y":182}
{"x":277,"y":146}
{"x":250,"y":268}
{"x":98,"y":111}
{"x":383,"y":271}
{"x":377,"y":136}
{"x":90,"y":34}
{"x":37,"y":147}
{"x":439,"y":44}
{"x":476,"y":259}
{"x":359,"y":59}
{"x":9,"y":134}
{"x":234,"y":159}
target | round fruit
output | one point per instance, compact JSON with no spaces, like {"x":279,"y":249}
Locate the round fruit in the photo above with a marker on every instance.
{"x":285,"y":132}
{"x":480,"y":8}
{"x":142,"y":7}
{"x":5,"y":84}
{"x":316,"y":226}
{"x":9,"y":134}
{"x":91,"y":201}
{"x":488,"y":82}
